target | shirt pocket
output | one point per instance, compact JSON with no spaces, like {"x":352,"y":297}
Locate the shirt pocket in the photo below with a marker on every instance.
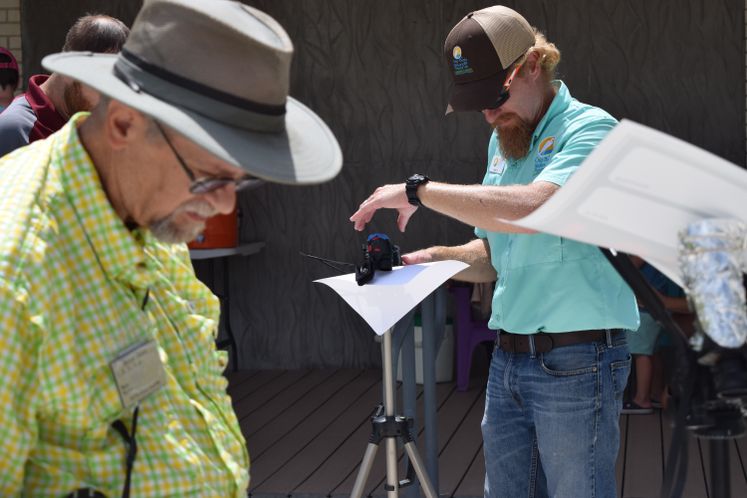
{"x":534,"y":249}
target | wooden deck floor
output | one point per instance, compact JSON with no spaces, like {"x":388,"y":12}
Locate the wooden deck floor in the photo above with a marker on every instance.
{"x":307,"y":431}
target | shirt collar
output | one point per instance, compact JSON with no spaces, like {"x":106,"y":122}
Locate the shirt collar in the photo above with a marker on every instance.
{"x":41,"y":105}
{"x":122,"y":254}
{"x":558,"y":105}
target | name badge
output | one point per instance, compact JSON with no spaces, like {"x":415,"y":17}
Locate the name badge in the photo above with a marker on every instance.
{"x":138,"y":372}
{"x":497,"y":165}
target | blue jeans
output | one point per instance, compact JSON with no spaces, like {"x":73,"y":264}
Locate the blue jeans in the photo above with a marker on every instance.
{"x":550,"y":427}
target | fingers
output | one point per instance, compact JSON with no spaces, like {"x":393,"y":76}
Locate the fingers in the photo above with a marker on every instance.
{"x":387,"y":196}
{"x":417,"y":257}
{"x":362,"y":217}
{"x":365,"y":212}
{"x":404,"y":217}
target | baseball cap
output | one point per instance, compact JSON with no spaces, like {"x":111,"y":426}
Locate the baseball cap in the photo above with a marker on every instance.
{"x":480,"y":50}
{"x":12,"y":64}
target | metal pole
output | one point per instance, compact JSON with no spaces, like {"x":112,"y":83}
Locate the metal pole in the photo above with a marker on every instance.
{"x":391,"y":443}
{"x":404,"y":329}
{"x":434,"y":322}
{"x":417,"y":464}
{"x":720,"y":478}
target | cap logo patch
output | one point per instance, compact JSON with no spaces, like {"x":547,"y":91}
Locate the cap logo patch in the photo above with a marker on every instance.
{"x":459,"y":62}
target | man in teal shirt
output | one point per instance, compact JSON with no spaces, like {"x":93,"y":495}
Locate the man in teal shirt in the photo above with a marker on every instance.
{"x":561,"y":361}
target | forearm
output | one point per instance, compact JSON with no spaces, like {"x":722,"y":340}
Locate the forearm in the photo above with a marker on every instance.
{"x":484,"y":206}
{"x":475,"y":253}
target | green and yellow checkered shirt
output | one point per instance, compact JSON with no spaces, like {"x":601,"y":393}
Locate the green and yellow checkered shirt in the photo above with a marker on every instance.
{"x":72,"y":282}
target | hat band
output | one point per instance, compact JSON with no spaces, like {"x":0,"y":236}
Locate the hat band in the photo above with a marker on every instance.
{"x":142,"y":76}
{"x":8,"y":65}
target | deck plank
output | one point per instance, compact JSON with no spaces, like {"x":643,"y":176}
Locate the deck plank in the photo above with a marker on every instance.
{"x":238,"y":377}
{"x":307,"y":431}
{"x":695,"y":486}
{"x":643,"y":459}
{"x":741,"y":451}
{"x":347,"y":405}
{"x":255,"y":383}
{"x":620,"y":464}
{"x":737,"y":481}
{"x":465,"y":441}
{"x":473,"y":483}
{"x":257,"y":399}
{"x":450,"y":417}
{"x":292,"y":397}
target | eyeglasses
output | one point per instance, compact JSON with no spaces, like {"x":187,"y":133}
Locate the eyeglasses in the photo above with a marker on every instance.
{"x":205,"y":185}
{"x":504,"y":95}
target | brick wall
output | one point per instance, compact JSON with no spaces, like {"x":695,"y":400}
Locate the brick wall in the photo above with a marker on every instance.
{"x":10,"y":31}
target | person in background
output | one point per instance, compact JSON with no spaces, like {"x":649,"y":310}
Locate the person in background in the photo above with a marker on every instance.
{"x":50,"y":100}
{"x":649,"y":390}
{"x":8,"y":77}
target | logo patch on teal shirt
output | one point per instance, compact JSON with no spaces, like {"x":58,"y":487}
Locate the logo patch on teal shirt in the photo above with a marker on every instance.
{"x":544,"y":153}
{"x":497,"y":165}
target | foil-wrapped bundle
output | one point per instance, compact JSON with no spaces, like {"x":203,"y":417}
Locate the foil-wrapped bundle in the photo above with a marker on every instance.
{"x":713,"y":258}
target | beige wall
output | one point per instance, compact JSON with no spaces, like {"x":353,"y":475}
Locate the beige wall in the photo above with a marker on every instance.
{"x":10,"y":31}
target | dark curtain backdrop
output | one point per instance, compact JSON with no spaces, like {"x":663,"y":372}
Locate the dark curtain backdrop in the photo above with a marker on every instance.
{"x":374,"y":71}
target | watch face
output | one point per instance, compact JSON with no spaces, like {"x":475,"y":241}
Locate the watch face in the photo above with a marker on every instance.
{"x":411,"y":188}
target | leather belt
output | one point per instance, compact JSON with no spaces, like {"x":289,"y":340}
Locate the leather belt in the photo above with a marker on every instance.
{"x":544,"y":342}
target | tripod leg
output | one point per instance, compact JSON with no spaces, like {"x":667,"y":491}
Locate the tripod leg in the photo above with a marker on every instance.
{"x":365,"y":470}
{"x":417,"y":464}
{"x":392,"y":479}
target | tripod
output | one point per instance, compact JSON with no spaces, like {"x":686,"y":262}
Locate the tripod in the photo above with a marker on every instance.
{"x":391,"y":427}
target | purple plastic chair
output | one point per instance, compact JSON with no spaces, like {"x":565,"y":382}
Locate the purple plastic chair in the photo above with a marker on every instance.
{"x":469,"y":334}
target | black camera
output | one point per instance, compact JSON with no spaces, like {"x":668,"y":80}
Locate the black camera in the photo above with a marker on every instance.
{"x":378,"y":254}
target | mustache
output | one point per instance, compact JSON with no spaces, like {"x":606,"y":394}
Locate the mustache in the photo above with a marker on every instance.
{"x":199,"y":207}
{"x":504,"y":118}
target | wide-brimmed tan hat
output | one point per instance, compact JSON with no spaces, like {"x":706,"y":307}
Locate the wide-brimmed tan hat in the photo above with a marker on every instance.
{"x":217,"y":72}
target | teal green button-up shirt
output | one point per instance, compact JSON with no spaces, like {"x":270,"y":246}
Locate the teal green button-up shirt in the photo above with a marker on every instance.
{"x":548,"y":283}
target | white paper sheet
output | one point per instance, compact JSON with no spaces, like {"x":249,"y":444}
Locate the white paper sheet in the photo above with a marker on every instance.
{"x":391,"y":294}
{"x":637,"y":190}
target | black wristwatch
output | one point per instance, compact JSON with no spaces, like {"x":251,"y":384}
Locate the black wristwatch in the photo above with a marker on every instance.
{"x":411,"y":187}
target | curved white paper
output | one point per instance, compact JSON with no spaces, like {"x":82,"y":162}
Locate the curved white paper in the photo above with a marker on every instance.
{"x":391,"y":294}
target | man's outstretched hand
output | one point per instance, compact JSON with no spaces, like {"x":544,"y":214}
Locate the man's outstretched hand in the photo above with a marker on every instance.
{"x":389,"y":197}
{"x":417,"y":257}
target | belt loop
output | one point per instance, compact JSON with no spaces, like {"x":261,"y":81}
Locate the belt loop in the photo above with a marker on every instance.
{"x":532,"y":347}
{"x":608,"y":334}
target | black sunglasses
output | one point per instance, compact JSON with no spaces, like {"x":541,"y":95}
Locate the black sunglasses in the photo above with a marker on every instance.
{"x":504,"y":95}
{"x":205,"y":185}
